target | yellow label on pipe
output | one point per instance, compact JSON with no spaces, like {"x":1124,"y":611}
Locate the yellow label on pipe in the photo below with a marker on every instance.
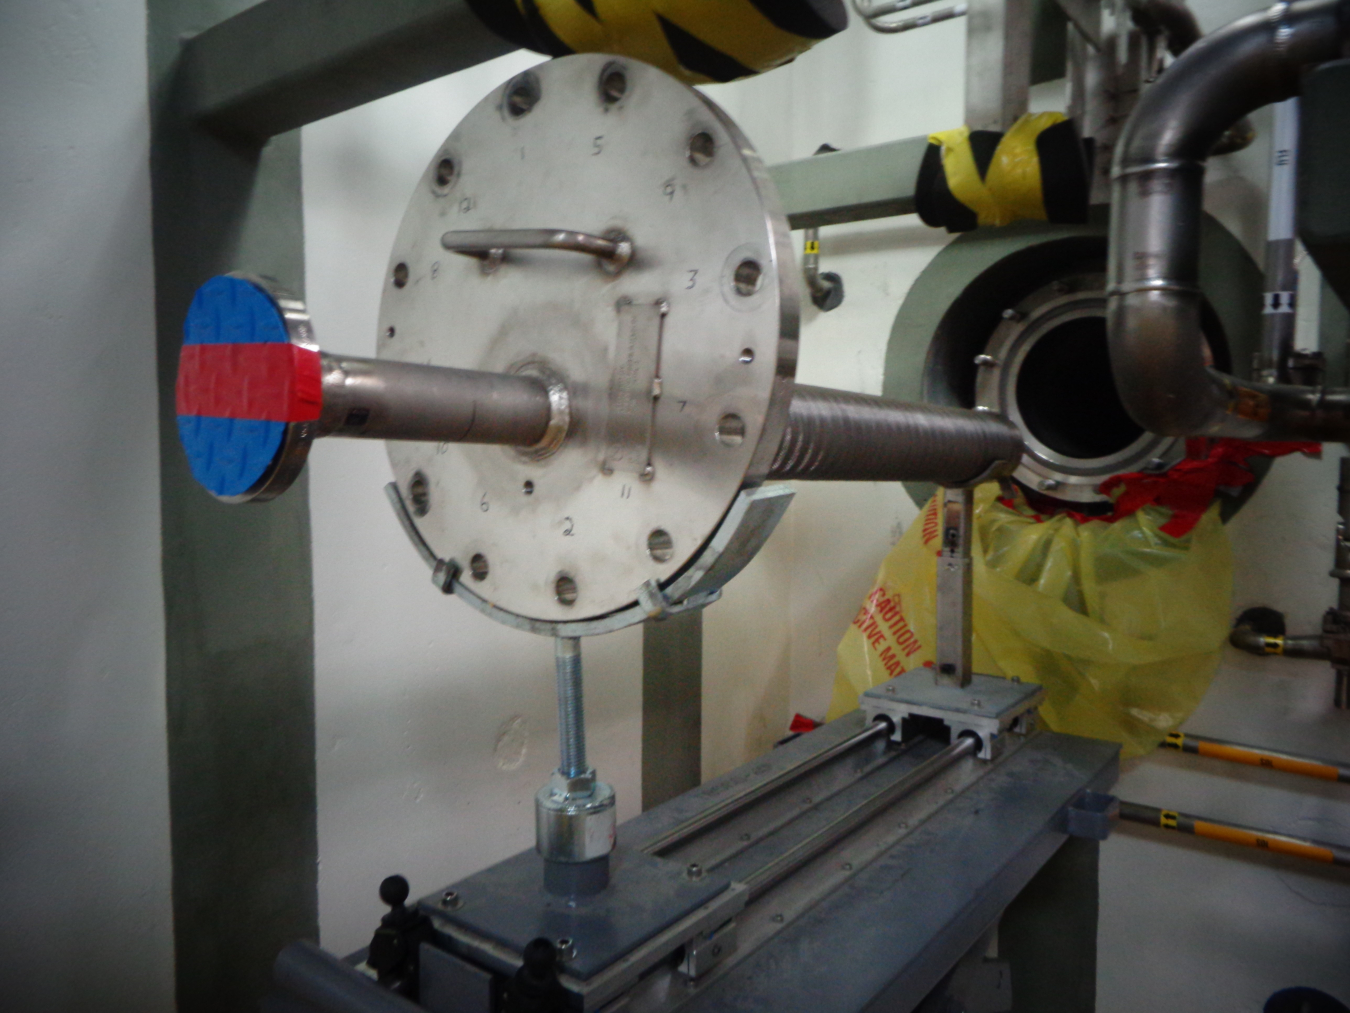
{"x":1168,"y":819}
{"x":1175,"y":740}
{"x":812,"y":246}
{"x":1256,"y":758}
{"x":1250,"y":839}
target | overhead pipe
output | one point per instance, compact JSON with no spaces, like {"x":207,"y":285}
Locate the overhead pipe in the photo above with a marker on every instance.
{"x":1177,"y":24}
{"x":1308,"y":645}
{"x":1158,"y":351}
{"x":1277,"y":318}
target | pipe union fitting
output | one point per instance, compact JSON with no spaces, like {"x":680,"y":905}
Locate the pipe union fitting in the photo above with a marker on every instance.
{"x":574,"y":818}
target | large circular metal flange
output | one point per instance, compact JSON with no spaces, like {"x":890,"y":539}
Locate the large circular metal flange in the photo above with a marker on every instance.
{"x":1047,"y":368}
{"x":677,"y":363}
{"x":990,"y":299}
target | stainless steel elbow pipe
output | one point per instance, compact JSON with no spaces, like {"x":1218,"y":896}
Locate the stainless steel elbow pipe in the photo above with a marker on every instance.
{"x":1153,"y":297}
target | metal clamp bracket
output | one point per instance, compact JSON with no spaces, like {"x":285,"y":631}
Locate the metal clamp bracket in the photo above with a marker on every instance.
{"x":1091,"y":815}
{"x":989,"y":707}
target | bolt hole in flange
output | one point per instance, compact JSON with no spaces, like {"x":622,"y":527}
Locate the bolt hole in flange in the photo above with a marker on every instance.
{"x":446,"y":171}
{"x":419,"y":494}
{"x":565,"y":589}
{"x":478,"y":566}
{"x":660,"y":546}
{"x":613,"y":84}
{"x":702,"y":147}
{"x":747,"y":276}
{"x":731,"y":430}
{"x":400,"y":275}
{"x":522,"y":95}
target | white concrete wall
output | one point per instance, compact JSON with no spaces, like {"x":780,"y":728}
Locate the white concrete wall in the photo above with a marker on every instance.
{"x":84,"y":846}
{"x":413,"y":689}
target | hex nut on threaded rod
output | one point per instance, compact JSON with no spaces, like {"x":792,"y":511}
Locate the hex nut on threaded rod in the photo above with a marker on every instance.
{"x":574,"y":813}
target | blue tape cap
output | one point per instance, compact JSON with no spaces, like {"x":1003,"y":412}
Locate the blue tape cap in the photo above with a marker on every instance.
{"x":228,"y":455}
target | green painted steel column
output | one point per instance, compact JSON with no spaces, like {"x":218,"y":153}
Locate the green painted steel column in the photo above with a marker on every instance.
{"x":227,"y":78}
{"x":238,"y":600}
{"x":672,"y":706}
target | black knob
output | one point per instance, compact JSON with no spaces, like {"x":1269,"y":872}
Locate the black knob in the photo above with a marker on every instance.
{"x":535,"y":987}
{"x":394,"y":891}
{"x":831,"y":292}
{"x":540,"y":958}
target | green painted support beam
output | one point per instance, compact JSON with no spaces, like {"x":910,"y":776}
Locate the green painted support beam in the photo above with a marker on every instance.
{"x":283,"y":63}
{"x":239,"y":614}
{"x":672,"y":706}
{"x":850,"y":186}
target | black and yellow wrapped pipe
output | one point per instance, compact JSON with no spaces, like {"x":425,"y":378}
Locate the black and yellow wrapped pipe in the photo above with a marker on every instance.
{"x":698,"y":41}
{"x":1234,"y":833}
{"x":1037,"y":169}
{"x":1255,"y":756}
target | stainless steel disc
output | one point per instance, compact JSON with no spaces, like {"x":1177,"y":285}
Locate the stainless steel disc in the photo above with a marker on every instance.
{"x":677,"y":365}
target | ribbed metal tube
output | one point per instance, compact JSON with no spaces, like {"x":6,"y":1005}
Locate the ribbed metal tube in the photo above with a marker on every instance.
{"x":839,"y":435}
{"x":1153,"y":300}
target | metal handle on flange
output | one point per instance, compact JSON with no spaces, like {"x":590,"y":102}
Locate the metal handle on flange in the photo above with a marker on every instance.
{"x":491,"y":244}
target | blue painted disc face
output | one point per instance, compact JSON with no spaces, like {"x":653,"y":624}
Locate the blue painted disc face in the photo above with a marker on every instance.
{"x":229,"y":455}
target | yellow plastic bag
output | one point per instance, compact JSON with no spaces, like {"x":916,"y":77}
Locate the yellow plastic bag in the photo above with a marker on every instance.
{"x":1121,"y":623}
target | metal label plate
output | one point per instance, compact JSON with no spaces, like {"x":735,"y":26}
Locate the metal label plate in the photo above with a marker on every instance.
{"x":634,"y":388}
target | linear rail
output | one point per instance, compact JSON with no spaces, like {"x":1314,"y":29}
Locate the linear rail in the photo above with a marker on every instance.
{"x":729,"y":806}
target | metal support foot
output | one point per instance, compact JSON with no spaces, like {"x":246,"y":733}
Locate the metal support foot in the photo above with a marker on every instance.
{"x":574,"y":813}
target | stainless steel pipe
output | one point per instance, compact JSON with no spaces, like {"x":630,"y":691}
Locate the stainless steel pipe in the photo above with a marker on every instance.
{"x":831,"y":434}
{"x":835,"y":434}
{"x":1153,"y":298}
{"x":387,"y":400}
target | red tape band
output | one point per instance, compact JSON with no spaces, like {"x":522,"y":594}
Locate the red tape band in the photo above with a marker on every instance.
{"x":269,"y":381}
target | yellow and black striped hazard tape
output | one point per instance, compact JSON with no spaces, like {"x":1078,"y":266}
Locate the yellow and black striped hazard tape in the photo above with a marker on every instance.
{"x":698,"y":41}
{"x":1037,"y":169}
